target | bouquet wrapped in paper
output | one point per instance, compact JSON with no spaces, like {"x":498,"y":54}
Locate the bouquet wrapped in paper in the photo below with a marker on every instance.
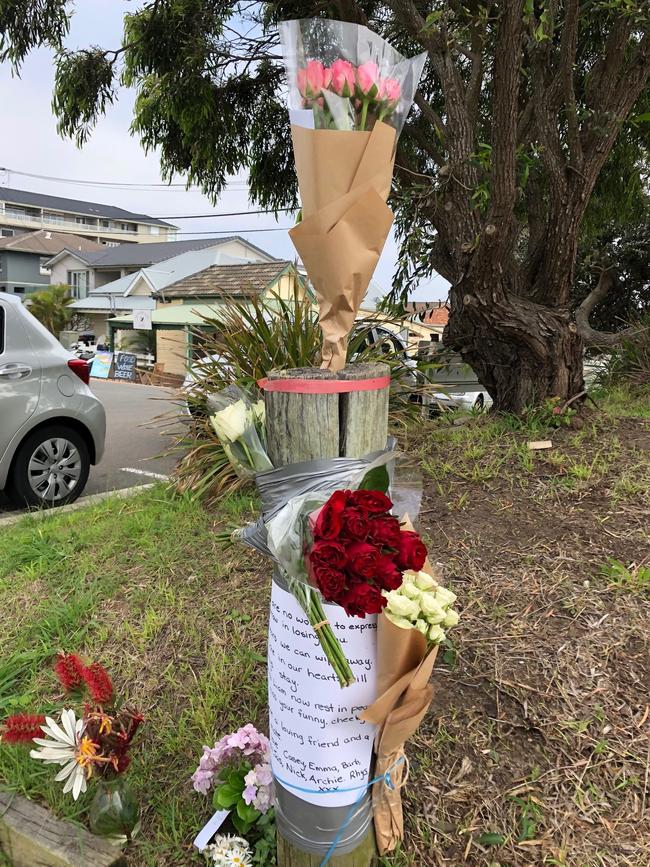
{"x":349,"y":94}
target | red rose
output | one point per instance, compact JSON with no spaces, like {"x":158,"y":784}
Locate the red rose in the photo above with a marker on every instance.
{"x":330,"y":582}
{"x":385,"y":530}
{"x":362,"y":599}
{"x":362,"y":559}
{"x":328,"y":522}
{"x":354,"y":524}
{"x":411,"y":552}
{"x":371,"y":502}
{"x":389,"y":576}
{"x":325,"y":553}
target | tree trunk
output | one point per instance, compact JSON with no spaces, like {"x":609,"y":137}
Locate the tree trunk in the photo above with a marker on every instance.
{"x":522,"y":352}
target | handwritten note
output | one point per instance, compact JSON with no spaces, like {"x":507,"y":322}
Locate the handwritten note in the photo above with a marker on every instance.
{"x":317,"y":740}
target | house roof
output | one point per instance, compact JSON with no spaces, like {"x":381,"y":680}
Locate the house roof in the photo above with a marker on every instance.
{"x":142,"y":255}
{"x":429,"y":312}
{"x":77,"y":206}
{"x":47,"y":243}
{"x":176,"y":314}
{"x":217,"y":280}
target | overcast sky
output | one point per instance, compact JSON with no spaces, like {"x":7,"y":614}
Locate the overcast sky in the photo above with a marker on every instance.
{"x":30,"y":144}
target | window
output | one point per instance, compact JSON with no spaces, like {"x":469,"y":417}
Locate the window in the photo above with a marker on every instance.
{"x":105,"y":224}
{"x":2,"y":325}
{"x":7,"y":233}
{"x":42,"y":266}
{"x":129,"y":227}
{"x":19,"y":290}
{"x":155,"y":230}
{"x":84,"y":221}
{"x":435,"y":338}
{"x":53,"y":218}
{"x":78,"y":282}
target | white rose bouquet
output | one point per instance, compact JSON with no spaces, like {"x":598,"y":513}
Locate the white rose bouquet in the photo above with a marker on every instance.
{"x":239,"y":424}
{"x":423,"y":604}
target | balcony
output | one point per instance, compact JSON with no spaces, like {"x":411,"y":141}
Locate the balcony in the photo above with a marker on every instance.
{"x":54,"y":222}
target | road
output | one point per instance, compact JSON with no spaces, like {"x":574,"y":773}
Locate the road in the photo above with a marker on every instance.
{"x":139,"y":425}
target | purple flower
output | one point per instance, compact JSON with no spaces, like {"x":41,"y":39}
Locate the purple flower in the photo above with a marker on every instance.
{"x":249,"y":794}
{"x":263,"y":774}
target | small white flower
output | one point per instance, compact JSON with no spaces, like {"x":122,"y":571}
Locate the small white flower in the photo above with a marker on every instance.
{"x":409,"y":589}
{"x":231,"y":423}
{"x":445,"y":597}
{"x":451,"y":619}
{"x":431,"y":608}
{"x":66,"y":746}
{"x":228,"y":851}
{"x":422,"y":626}
{"x":402,"y":622}
{"x":402,"y":606}
{"x":424,"y":581}
{"x":259,"y":411}
{"x":436,"y":634}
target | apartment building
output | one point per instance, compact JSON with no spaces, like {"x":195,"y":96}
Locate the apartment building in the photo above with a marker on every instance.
{"x":22,"y":211}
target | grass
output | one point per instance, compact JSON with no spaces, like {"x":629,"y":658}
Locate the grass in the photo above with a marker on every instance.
{"x":535,"y":750}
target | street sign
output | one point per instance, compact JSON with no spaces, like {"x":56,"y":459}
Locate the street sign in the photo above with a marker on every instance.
{"x":142,"y":320}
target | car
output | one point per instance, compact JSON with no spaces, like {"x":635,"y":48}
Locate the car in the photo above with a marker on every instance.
{"x":52,"y":427}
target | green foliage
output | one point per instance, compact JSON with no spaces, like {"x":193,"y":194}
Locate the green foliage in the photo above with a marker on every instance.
{"x":376,"y":480}
{"x":83,"y":88}
{"x":28,"y":24}
{"x":50,"y":306}
{"x":635,"y":577}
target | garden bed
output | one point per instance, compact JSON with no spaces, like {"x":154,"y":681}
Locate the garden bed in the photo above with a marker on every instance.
{"x":535,"y":750}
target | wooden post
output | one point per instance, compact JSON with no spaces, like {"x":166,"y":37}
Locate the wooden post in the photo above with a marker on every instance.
{"x":305,"y":427}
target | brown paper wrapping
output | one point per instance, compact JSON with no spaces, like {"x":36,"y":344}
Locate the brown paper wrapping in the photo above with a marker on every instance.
{"x":404,"y":667}
{"x":344,"y":179}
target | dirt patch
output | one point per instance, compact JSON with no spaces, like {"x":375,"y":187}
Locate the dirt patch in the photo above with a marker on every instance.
{"x":537,"y":749}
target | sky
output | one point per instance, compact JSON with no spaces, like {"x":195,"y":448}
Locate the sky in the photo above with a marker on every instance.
{"x":31,"y":144}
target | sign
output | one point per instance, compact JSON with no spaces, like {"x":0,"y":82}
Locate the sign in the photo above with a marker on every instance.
{"x":101,"y":366}
{"x":125,"y":364}
{"x":142,"y":320}
{"x":210,"y":828}
{"x":317,"y":740}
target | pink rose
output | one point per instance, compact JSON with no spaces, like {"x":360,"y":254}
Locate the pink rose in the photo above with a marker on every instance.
{"x":312,"y":79}
{"x":342,"y":77}
{"x":368,"y":78}
{"x":390,"y":90}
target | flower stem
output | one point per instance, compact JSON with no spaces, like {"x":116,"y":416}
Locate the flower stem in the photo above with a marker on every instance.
{"x":364,"y":114}
{"x":310,"y":603}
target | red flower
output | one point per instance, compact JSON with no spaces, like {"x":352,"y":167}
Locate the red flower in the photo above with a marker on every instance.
{"x":385,"y":530}
{"x":70,"y":670}
{"x":389,"y":577}
{"x":362,"y":599}
{"x":362,"y":559}
{"x":22,"y":728}
{"x":328,"y":522}
{"x":411,"y":552}
{"x":330,"y":582}
{"x":326,"y":553}
{"x":98,"y":682}
{"x":354,"y":524}
{"x":371,"y":502}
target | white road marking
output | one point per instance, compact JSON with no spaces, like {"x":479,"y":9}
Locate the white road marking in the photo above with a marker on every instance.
{"x":148,"y":473}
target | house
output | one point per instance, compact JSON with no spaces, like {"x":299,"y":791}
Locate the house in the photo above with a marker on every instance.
{"x":24,"y":258}
{"x":183,"y":305}
{"x":22,"y":211}
{"x":100,"y":298}
{"x":432,"y":316}
{"x":86,"y":272}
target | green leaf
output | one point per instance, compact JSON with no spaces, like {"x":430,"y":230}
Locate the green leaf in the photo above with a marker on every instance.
{"x":491,"y":839}
{"x":376,"y":480}
{"x":236,"y":780}
{"x":240,"y":824}
{"x":247,"y":812}
{"x":226,"y":796}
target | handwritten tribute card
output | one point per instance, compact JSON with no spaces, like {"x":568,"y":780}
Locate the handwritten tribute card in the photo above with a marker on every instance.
{"x":317,"y":741}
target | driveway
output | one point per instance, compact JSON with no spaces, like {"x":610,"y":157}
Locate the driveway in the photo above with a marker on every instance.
{"x":139,"y":427}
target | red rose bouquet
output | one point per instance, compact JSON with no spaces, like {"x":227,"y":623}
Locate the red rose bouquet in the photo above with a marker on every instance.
{"x":359,"y":551}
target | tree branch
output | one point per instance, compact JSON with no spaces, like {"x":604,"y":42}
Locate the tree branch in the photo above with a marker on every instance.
{"x":591,"y":336}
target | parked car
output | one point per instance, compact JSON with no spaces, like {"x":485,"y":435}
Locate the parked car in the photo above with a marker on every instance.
{"x":52,"y":426}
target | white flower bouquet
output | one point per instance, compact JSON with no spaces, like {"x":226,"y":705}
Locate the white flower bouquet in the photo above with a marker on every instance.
{"x":423,"y":604}
{"x":239,"y":424}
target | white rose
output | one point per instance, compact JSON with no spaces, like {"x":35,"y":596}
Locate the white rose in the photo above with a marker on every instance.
{"x":402,"y":622}
{"x":431,"y":608}
{"x":402,"y":606}
{"x":445,"y":597}
{"x":422,"y":626}
{"x":259,"y":411}
{"x":436,"y":634}
{"x":451,"y":619}
{"x":231,"y":422}
{"x":409,"y":589}
{"x":424,"y":581}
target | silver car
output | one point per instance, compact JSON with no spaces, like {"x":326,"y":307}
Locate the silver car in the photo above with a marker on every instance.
{"x":52,"y":426}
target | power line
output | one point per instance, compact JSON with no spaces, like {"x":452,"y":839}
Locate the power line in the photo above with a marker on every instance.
{"x":113,"y":184}
{"x":230,"y":214}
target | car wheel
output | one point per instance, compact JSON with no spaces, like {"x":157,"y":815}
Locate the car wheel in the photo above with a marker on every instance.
{"x":50,"y":468}
{"x":479,"y":403}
